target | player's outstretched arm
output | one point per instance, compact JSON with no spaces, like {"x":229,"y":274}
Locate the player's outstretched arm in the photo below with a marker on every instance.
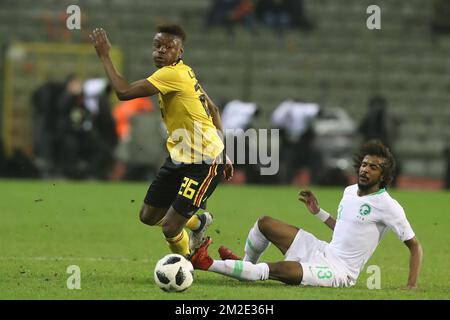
{"x":415,"y":261}
{"x":124,"y":90}
{"x":312,"y":204}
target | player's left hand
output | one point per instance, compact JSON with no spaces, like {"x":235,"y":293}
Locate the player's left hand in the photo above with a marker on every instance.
{"x":228,"y":170}
{"x":310,"y":200}
{"x":100,"y":41}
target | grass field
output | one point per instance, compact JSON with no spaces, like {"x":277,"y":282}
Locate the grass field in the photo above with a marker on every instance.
{"x":46,"y":226}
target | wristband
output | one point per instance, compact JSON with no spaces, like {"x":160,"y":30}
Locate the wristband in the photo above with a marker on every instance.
{"x":322,"y":215}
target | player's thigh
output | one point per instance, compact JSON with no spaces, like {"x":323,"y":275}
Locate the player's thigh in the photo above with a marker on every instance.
{"x":290,"y":272}
{"x":319,"y":272}
{"x":164,"y":188}
{"x":278,"y":232}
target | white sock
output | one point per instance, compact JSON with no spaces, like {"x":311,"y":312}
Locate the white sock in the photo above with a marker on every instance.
{"x":255,"y":245}
{"x":242,"y":270}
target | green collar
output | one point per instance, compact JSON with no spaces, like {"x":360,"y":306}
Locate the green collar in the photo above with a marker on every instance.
{"x":378,"y":192}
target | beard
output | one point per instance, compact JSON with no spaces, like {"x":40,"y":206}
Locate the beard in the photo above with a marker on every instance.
{"x":367,"y":186}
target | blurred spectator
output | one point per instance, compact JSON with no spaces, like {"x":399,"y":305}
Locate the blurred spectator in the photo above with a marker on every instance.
{"x":86,"y":129}
{"x":140,"y":140}
{"x":238,"y":114}
{"x":74,"y":128}
{"x":297,"y":151}
{"x":244,"y":13}
{"x":96,"y":98}
{"x":378,"y":124}
{"x":282,"y":14}
{"x":45,"y":124}
{"x":124,"y":110}
{"x":274,"y":13}
{"x":334,"y":131}
{"x":146,"y":149}
{"x":231,"y":12}
{"x":278,"y":14}
{"x":219,"y":13}
{"x":297,"y":15}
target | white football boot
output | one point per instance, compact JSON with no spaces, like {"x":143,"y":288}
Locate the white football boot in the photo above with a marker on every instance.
{"x":196,"y":237}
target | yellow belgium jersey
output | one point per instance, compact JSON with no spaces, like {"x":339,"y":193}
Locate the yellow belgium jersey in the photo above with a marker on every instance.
{"x":193,"y":137}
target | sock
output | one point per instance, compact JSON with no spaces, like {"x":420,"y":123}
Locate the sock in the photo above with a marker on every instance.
{"x":242,"y":270}
{"x":255,"y":245}
{"x":180,"y":243}
{"x":194,"y":222}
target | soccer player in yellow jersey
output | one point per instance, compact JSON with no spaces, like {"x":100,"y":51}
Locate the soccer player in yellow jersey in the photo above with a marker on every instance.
{"x":192,"y":171}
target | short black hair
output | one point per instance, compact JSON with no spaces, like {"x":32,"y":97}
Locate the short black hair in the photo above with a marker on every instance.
{"x":172,"y":29}
{"x":377,"y":148}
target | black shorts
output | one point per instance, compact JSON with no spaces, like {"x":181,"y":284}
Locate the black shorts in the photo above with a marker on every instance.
{"x":183,"y":186}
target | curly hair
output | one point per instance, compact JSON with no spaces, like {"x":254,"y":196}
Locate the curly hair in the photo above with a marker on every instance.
{"x":377,"y":148}
{"x":172,"y":29}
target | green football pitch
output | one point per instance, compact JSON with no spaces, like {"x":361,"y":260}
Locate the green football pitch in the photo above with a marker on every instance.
{"x":47,"y":226}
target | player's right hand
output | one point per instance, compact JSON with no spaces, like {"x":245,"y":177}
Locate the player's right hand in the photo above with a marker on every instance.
{"x":310,"y":200}
{"x":100,"y":42}
{"x":228,"y":171}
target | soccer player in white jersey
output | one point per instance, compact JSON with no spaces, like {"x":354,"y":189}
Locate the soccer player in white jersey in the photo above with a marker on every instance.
{"x":365,"y":213}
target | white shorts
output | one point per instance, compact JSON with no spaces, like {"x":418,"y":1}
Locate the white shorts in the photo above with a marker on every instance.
{"x":319,"y":267}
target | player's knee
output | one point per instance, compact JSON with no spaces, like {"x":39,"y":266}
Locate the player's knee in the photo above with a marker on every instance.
{"x":264,"y":224}
{"x":146,"y":216}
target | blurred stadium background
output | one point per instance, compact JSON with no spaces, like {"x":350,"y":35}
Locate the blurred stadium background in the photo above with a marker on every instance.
{"x":333,"y":60}
{"x":57,"y":120}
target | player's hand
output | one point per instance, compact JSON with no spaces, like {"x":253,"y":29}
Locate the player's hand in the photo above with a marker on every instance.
{"x":228,"y":170}
{"x":100,"y":42}
{"x":310,"y":200}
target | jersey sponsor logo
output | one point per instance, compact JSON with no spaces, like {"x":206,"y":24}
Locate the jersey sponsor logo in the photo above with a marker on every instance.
{"x":365,"y":209}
